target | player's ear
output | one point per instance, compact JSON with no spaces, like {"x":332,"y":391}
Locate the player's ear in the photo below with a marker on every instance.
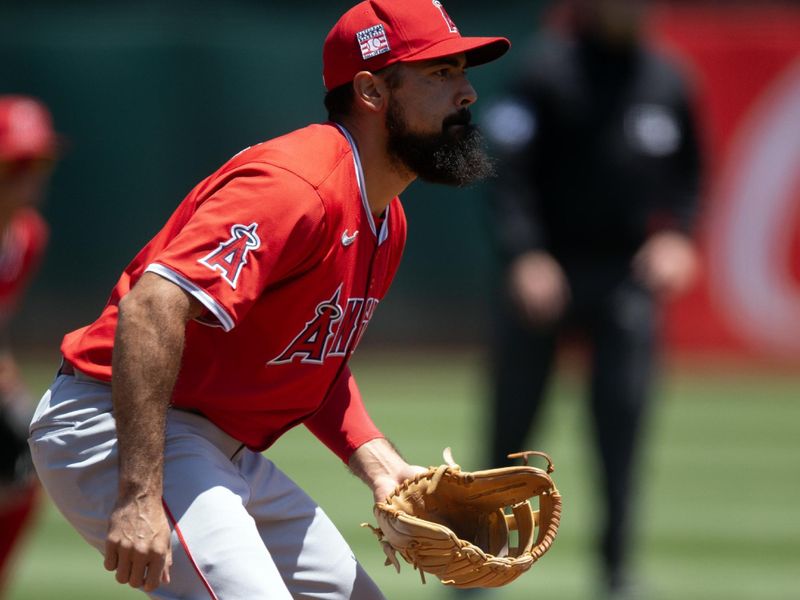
{"x":370,"y":91}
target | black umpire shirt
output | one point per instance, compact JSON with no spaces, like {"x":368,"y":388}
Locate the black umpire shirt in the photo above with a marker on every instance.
{"x":597,"y":149}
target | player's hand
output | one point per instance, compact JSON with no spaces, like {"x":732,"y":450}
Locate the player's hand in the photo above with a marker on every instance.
{"x":383,"y":487}
{"x":667,"y":263}
{"x":138,"y":543}
{"x":538,"y":287}
{"x":380,"y":466}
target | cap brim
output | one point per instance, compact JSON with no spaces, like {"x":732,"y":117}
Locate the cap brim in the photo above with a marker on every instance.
{"x":478,"y":50}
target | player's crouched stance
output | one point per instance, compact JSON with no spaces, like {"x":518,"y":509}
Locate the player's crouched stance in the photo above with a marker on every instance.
{"x":237,"y":321}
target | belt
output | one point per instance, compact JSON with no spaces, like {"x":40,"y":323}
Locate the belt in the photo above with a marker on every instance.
{"x":67,"y":368}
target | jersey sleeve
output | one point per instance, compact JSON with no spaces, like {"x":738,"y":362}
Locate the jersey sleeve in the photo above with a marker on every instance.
{"x":343,"y":423}
{"x":254,"y":228}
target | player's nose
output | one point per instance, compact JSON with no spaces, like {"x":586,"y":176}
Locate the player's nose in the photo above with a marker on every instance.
{"x":467,"y":94}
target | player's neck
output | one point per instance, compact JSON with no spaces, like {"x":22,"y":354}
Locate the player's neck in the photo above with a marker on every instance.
{"x":384,"y":178}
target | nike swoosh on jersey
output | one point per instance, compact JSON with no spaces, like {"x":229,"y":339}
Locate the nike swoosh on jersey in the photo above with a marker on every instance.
{"x":348,"y":239}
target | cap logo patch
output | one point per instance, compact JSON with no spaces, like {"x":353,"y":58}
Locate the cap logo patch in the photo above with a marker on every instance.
{"x":450,"y":23}
{"x":372,"y":41}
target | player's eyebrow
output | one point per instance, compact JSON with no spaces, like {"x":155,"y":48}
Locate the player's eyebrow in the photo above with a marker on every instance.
{"x":455,"y":60}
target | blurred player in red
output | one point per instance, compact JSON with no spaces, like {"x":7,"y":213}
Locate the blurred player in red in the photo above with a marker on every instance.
{"x":28,"y":147}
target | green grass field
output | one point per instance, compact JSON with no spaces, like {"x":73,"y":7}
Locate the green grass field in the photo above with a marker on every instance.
{"x":718,"y":510}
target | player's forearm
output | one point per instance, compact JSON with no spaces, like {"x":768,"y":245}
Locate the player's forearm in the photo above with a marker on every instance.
{"x":147,"y":353}
{"x":377,"y":458}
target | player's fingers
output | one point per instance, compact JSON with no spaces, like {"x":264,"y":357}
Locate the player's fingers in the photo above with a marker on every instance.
{"x":123,"y":564}
{"x":167,"y":566}
{"x":140,"y":562}
{"x":155,"y":572}
{"x":111,"y":556}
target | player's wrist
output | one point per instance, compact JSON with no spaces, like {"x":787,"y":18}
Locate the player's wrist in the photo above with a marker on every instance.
{"x":137,"y":491}
{"x":378,"y":464}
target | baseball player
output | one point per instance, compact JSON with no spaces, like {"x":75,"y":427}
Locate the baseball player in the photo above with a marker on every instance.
{"x":236,"y":322}
{"x":28,"y":147}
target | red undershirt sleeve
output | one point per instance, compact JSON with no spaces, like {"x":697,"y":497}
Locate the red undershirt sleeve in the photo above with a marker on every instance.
{"x":342,"y":423}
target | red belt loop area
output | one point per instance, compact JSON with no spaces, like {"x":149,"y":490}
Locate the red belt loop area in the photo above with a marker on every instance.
{"x":67,"y":368}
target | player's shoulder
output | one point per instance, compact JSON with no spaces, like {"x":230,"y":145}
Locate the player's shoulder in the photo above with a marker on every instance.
{"x":310,"y":154}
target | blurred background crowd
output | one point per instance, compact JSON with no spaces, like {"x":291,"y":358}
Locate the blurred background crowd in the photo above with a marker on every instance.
{"x":613,"y":121}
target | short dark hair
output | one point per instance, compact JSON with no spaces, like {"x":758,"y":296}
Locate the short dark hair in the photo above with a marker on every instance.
{"x":339,"y":100}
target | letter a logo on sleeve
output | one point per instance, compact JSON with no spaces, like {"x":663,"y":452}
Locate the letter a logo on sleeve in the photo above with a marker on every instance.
{"x":231,"y":255}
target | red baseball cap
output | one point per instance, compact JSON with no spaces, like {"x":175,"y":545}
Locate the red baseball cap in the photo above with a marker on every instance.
{"x":26,"y":129}
{"x":377,"y":33}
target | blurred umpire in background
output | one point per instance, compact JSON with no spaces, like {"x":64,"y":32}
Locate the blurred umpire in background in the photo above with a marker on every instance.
{"x":592,"y":213}
{"x":28,"y":147}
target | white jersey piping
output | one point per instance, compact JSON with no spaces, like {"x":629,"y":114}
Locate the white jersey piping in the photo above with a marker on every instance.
{"x":225,"y":320}
{"x":384,"y":232}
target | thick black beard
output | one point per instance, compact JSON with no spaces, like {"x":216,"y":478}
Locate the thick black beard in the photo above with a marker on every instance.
{"x":455,"y":156}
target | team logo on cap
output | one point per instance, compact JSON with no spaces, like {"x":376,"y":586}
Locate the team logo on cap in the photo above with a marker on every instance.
{"x":372,"y":41}
{"x":451,"y":25}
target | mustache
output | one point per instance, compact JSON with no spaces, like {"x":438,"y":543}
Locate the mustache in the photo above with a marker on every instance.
{"x":462,"y":117}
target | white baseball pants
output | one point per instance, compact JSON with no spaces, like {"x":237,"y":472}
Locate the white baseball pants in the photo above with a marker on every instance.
{"x":242,"y":530}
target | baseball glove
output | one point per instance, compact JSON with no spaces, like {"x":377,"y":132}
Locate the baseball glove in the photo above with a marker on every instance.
{"x":454,"y":524}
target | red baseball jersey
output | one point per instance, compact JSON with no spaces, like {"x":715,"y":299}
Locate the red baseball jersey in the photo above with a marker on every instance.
{"x":280,"y":247}
{"x":21,"y":250}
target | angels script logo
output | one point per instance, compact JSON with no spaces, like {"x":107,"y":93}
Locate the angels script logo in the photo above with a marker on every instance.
{"x":333,"y":331}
